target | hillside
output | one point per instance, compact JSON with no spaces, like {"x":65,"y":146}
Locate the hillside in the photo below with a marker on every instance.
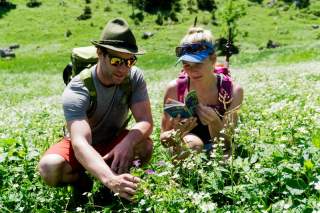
{"x":41,"y":33}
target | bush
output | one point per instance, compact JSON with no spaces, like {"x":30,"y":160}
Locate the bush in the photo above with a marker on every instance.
{"x":86,"y":14}
{"x":207,"y":5}
{"x":7,"y":5}
{"x":298,"y":3}
{"x":137,"y":16}
{"x":221,"y":48}
{"x":33,"y":3}
{"x":256,"y":1}
{"x":159,"y":19}
{"x":166,"y":8}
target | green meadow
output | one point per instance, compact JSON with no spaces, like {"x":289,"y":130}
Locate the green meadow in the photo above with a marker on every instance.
{"x":275,"y":165}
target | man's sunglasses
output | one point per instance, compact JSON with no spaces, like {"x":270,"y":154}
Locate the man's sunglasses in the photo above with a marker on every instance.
{"x":193,"y":48}
{"x":117,"y":61}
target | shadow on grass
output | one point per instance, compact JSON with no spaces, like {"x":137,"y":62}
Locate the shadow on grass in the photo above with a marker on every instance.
{"x":5,"y":7}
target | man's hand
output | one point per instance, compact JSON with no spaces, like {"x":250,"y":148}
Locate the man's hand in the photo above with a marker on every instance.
{"x":122,"y":156}
{"x":124,"y":185}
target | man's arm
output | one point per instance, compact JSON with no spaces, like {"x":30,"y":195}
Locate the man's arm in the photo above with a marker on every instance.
{"x":123,"y":153}
{"x":91,"y":160}
{"x":88,"y":157}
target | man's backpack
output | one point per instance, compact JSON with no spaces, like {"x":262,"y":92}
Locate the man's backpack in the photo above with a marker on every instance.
{"x":81,"y":58}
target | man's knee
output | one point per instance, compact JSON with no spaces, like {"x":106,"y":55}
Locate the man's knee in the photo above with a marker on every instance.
{"x":144,"y":151}
{"x":51,"y":167}
{"x":149,"y":149}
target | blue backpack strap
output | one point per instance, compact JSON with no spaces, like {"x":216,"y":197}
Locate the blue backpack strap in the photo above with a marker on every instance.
{"x":182,"y":85}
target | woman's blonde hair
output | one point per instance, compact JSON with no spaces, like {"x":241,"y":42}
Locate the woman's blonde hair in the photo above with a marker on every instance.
{"x":197,"y":34}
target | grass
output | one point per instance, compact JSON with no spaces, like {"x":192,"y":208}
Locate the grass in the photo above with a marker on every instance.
{"x":276,"y":163}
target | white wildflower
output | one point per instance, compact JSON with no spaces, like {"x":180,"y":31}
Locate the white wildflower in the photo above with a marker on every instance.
{"x":208,"y":207}
{"x":286,"y":206}
{"x":163,"y":173}
{"x":142,"y":202}
{"x":317,"y":186}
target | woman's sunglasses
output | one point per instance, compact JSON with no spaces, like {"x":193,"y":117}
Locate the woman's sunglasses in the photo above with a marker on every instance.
{"x":117,"y":61}
{"x":193,"y":48}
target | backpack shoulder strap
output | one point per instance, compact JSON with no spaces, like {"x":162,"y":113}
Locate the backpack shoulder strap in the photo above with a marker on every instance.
{"x":126,"y":87}
{"x":224,"y":84}
{"x":182,"y":84}
{"x":86,"y":77}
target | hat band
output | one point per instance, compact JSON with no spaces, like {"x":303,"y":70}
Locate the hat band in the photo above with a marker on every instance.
{"x":119,"y":43}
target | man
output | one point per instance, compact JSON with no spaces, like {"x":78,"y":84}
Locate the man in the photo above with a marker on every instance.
{"x":98,"y":138}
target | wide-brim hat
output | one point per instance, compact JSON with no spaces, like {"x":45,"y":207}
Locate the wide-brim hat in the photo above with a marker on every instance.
{"x":117,"y":36}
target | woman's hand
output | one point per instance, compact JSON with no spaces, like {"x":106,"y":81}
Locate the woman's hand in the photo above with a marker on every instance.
{"x":178,"y":127}
{"x":206,"y":114}
{"x":183,"y":126}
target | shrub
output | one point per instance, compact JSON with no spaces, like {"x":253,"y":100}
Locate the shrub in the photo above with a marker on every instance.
{"x":167,"y":8}
{"x":33,"y":3}
{"x":256,"y":1}
{"x":207,"y":5}
{"x":298,"y":3}
{"x":86,"y":14}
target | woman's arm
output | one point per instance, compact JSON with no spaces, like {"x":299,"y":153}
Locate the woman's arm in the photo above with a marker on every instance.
{"x":170,"y":126}
{"x":215,"y":124}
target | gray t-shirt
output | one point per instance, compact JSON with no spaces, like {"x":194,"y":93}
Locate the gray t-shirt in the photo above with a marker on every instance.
{"x":112,"y":108}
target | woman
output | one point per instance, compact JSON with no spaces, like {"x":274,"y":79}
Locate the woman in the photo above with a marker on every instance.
{"x":218,"y":98}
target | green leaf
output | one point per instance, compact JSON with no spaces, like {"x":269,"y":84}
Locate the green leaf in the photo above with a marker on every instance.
{"x":316,"y":139}
{"x":296,"y":186}
{"x":7,"y":141}
{"x":308,"y":165}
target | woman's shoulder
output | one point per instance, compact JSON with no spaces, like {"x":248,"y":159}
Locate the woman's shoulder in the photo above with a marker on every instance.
{"x":237,"y":88}
{"x":171,"y":89}
{"x":237,"y":93}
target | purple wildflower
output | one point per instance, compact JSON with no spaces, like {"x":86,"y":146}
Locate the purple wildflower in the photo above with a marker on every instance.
{"x":150,"y":172}
{"x":136,"y":163}
{"x":161,"y":163}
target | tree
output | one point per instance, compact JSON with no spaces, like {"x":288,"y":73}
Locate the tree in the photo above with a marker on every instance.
{"x":165,"y":9}
{"x":207,"y":5}
{"x":229,"y":13}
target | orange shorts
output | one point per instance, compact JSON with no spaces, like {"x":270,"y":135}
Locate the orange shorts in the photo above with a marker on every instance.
{"x":64,"y":149}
